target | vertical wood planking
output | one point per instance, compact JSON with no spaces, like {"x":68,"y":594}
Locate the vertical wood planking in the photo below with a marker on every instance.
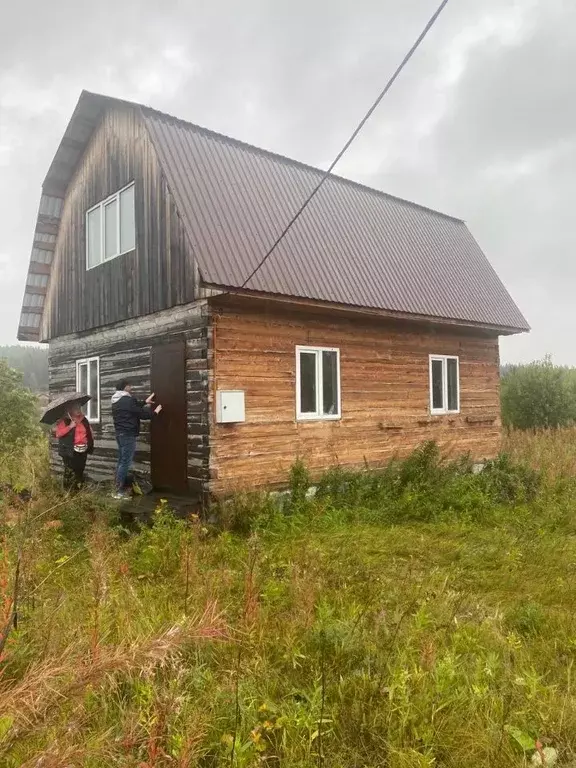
{"x":134,"y":284}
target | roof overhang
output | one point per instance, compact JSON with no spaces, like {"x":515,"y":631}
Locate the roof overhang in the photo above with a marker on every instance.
{"x":84,"y":120}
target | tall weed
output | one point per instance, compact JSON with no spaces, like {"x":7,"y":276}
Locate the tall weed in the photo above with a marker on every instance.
{"x":424,"y":487}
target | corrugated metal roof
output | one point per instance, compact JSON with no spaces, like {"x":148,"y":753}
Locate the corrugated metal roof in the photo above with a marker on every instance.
{"x":352,"y":245}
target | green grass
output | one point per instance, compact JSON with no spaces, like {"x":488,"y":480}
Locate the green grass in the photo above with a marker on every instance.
{"x":421,"y":617}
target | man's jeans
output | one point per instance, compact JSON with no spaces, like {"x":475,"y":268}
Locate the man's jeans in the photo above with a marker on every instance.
{"x":126,"y":451}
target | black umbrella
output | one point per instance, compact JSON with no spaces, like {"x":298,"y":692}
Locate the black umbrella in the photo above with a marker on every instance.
{"x":58,"y":408}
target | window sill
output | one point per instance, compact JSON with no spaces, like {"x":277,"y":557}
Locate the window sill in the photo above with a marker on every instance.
{"x":318,"y":418}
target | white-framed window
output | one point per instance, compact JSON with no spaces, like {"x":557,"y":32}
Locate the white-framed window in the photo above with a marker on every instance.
{"x":444,"y":384}
{"x":88,"y":382}
{"x":111,"y":227}
{"x":317,"y":383}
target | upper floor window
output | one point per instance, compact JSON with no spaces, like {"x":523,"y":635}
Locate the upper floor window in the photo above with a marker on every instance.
{"x":111,"y":227}
{"x":317,"y":383}
{"x":444,"y":384}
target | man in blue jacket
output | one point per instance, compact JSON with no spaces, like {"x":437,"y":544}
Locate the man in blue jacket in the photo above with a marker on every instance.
{"x":127,"y":413}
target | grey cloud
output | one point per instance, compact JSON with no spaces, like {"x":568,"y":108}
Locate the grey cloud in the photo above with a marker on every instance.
{"x":503,"y":157}
{"x":515,"y":99}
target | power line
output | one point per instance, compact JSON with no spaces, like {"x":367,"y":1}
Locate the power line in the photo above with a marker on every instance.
{"x":338,"y":157}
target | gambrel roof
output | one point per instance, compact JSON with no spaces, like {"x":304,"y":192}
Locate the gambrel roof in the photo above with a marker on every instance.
{"x":353,"y":245}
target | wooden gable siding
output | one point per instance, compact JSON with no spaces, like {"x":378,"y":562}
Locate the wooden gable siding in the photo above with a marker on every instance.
{"x":124,"y":350}
{"x":158,"y":274}
{"x":385,"y":395}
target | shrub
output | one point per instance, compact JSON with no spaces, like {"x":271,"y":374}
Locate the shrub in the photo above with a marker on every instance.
{"x":526,"y":618}
{"x":32,"y":362}
{"x":539,"y":395}
{"x":243,"y":512}
{"x":18,"y":410}
{"x":508,"y":482}
{"x":299,"y":484}
{"x":156,"y":550}
{"x":424,"y":487}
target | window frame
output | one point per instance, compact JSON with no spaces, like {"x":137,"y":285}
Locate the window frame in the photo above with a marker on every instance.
{"x":444,"y":360}
{"x":102,"y":206}
{"x":318,"y":415}
{"x":86,"y":361}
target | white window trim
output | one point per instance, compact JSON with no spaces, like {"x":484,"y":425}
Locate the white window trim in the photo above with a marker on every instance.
{"x":102,"y":205}
{"x":444,"y":360}
{"x":86,"y":361}
{"x":318,"y":416}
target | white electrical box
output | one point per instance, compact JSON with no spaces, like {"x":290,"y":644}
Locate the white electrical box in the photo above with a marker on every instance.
{"x":230,"y":407}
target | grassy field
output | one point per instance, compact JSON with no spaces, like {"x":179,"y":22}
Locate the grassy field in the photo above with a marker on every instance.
{"x":422,"y":617}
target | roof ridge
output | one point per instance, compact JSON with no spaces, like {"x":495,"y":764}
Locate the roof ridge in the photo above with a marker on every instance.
{"x":275,"y":155}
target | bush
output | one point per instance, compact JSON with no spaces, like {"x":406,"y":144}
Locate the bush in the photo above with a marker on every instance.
{"x":424,"y":487}
{"x":242,"y":513}
{"x":540,"y":395}
{"x":156,"y":551}
{"x":299,"y":484}
{"x":507,"y":482}
{"x":18,"y":410}
{"x":32,"y":362}
{"x":526,"y":618}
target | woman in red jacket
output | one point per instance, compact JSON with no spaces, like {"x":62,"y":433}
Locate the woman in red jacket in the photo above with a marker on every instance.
{"x":75,"y":443}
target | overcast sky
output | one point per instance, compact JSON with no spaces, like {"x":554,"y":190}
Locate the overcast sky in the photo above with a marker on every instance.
{"x":482,"y":123}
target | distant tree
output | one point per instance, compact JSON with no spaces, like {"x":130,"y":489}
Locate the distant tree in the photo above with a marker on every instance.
{"x":18,"y":409}
{"x":32,"y":362}
{"x":538,"y":395}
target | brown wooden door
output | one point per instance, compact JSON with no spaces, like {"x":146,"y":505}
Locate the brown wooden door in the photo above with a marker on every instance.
{"x":169,"y":438}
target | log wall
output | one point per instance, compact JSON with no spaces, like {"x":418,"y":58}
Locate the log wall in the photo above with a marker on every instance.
{"x":124,"y":351}
{"x":384,"y":385}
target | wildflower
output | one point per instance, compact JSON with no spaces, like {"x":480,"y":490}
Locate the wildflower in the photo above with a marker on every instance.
{"x":513,"y":641}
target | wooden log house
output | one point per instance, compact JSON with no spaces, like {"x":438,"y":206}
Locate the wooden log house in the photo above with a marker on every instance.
{"x":372,"y":327}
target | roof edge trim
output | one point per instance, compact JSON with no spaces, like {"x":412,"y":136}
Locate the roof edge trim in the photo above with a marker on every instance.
{"x":224,"y":291}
